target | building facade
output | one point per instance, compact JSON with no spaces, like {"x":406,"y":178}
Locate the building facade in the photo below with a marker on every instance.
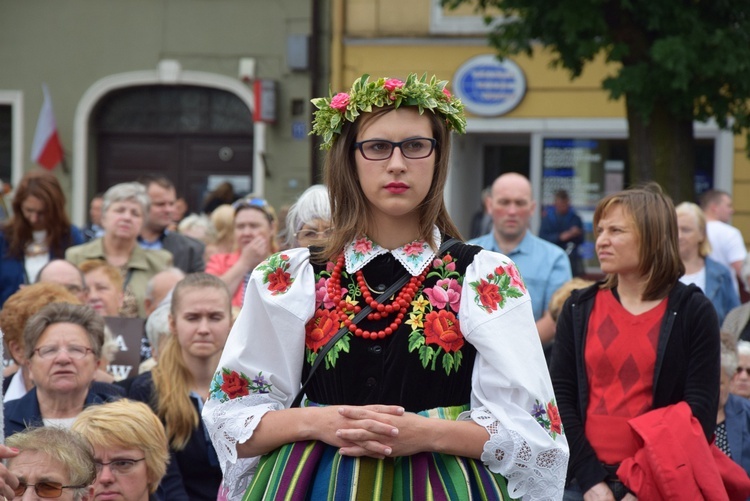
{"x":524,"y":116}
{"x":200,"y":91}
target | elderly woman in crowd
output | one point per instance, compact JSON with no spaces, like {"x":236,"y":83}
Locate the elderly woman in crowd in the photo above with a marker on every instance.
{"x":130,"y":449}
{"x":740,"y":384}
{"x":38,"y":231}
{"x":63,"y":349}
{"x":733,"y":419}
{"x":52,"y":463}
{"x":125,"y":206}
{"x":18,"y":309}
{"x":715,"y":280}
{"x":254,"y":230}
{"x":308,"y":221}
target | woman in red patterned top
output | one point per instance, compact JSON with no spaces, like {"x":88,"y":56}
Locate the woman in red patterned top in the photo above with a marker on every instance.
{"x":637,"y":341}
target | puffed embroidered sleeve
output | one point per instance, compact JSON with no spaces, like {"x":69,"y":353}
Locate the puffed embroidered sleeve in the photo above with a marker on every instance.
{"x":512,"y":395}
{"x":261,"y":365}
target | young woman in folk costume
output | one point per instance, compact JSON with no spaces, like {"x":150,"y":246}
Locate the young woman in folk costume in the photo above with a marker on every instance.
{"x":442,"y":391}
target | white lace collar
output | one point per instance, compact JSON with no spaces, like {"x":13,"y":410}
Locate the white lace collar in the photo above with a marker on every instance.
{"x":415,"y":256}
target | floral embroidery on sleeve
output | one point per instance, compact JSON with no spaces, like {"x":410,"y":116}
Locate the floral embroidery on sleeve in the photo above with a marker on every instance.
{"x":275,"y":274}
{"x":548,"y":417}
{"x":491,"y":293}
{"x":436,"y":332}
{"x":227,"y":385}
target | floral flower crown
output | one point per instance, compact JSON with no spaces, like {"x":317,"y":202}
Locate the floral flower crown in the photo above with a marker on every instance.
{"x":364,"y":95}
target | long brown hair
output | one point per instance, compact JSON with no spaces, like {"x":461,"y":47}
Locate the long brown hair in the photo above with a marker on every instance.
{"x":43,"y":185}
{"x":350,"y":210}
{"x":655,"y":222}
{"x":172,"y":377}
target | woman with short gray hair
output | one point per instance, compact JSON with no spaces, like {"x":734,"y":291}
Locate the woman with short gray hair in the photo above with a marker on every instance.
{"x":733,"y":418}
{"x":63,"y":344}
{"x":308,"y":221}
{"x":124,"y":210}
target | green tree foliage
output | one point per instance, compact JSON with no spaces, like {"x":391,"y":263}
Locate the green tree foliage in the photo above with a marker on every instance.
{"x":677,"y":61}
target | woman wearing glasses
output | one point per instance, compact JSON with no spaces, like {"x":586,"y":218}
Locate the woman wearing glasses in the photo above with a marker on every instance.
{"x":130,"y":450}
{"x":442,"y":390}
{"x":63,"y":344}
{"x":254,"y":230}
{"x":52,"y":463}
{"x":308,"y":221}
{"x":199,"y":320}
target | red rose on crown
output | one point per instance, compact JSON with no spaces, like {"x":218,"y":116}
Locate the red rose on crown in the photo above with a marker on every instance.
{"x":489,"y":295}
{"x":321,"y":328}
{"x":234,"y":385}
{"x":442,"y":328}
{"x":340,"y":101}
{"x":278,"y":281}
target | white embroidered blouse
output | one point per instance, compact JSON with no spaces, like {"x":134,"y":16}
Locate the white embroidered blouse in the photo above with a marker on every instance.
{"x":511,"y":394}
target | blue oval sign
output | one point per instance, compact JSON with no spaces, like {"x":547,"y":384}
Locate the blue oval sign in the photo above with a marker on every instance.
{"x":489,"y":87}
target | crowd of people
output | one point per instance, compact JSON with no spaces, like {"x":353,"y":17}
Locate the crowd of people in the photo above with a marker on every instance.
{"x":359,"y":347}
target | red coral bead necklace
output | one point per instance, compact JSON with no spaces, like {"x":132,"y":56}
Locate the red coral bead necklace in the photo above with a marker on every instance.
{"x":399,"y":305}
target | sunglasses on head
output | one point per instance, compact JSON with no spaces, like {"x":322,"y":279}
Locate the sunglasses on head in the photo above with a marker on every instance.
{"x":254,"y":203}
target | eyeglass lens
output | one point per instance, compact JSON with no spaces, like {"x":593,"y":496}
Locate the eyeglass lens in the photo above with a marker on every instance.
{"x":380,"y":149}
{"x":121,"y":466}
{"x":310,"y":234}
{"x":74,"y":351}
{"x":42,"y":489}
{"x":746,"y":370}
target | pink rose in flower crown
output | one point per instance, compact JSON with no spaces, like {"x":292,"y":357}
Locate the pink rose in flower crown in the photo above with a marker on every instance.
{"x":447,"y":93}
{"x":340,"y":101}
{"x":391,"y":85}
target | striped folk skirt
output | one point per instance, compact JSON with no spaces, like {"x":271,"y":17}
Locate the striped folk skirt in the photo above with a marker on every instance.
{"x":316,"y":471}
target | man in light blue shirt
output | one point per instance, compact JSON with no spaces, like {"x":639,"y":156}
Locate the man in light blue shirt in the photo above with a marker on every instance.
{"x":544,"y":266}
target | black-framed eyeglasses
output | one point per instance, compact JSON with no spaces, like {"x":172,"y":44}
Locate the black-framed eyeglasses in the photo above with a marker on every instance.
{"x":254,"y":203}
{"x":121,"y":466}
{"x":74,"y":351}
{"x":381,"y":149}
{"x":47,"y":490}
{"x":746,"y":370}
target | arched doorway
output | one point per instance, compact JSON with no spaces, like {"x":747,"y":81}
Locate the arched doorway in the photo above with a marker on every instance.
{"x":193,"y":135}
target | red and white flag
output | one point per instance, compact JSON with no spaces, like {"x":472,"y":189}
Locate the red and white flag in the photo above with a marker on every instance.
{"x":46,"y":149}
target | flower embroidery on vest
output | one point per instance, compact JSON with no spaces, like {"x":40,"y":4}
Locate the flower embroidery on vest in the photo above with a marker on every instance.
{"x":326,"y":322}
{"x":435,"y":329}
